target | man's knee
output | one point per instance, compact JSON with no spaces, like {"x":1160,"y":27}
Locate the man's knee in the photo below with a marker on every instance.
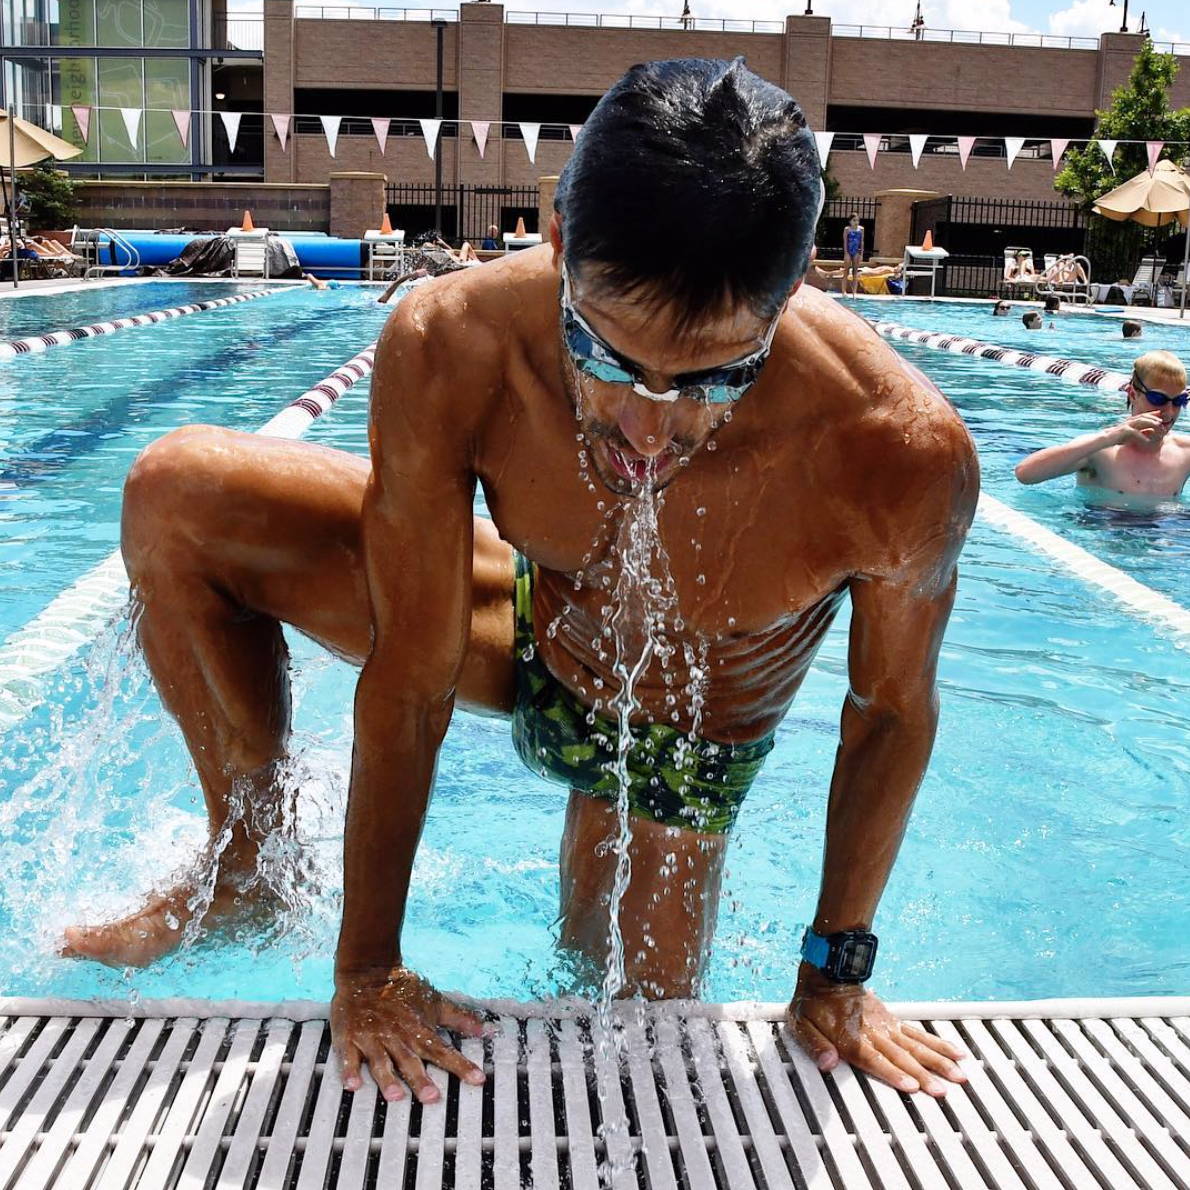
{"x":169,"y":485}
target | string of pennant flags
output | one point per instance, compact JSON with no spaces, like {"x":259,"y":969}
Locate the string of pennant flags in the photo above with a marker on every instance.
{"x":282,"y":123}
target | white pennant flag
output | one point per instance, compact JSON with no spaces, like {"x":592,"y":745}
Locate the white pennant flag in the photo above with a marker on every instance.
{"x":430,"y":129}
{"x":575,"y":129}
{"x":917,"y":142}
{"x":182,"y":124}
{"x":330,"y":129}
{"x":82,"y":115}
{"x":823,"y":140}
{"x":872,"y":145}
{"x":231,"y":125}
{"x":1109,"y":151}
{"x":131,"y":122}
{"x":479,"y":130}
{"x":281,"y":127}
{"x":1012,"y":146}
{"x":1058,"y":146}
{"x":380,"y":128}
{"x":55,"y":116}
{"x":1153,"y":148}
{"x":531,"y":132}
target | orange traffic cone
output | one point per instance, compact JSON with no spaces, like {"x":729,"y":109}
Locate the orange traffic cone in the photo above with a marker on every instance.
{"x":928,"y":242}
{"x":520,"y":232}
{"x":247,"y":225}
{"x":386,"y":226}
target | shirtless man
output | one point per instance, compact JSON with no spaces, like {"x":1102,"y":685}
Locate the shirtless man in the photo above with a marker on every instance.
{"x":843,"y":472}
{"x":1139,"y":456}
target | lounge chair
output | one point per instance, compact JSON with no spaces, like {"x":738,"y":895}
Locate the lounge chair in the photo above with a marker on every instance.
{"x":1020,"y":275}
{"x":1144,"y":284}
{"x":1067,"y":277}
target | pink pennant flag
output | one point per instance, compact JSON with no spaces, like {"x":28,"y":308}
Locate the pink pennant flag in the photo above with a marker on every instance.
{"x":531,"y":132}
{"x":823,"y":140}
{"x":430,"y":130}
{"x":1057,"y":148}
{"x":917,"y":142}
{"x":1109,"y":151}
{"x":182,"y":124}
{"x":575,"y":129}
{"x":231,"y":125}
{"x":330,"y":129}
{"x":872,"y":144}
{"x":131,"y":123}
{"x":966,"y":144}
{"x":380,"y":128}
{"x":1154,"y":147}
{"x":82,"y":117}
{"x":281,"y":127}
{"x":480,"y":130}
{"x":1012,"y":146}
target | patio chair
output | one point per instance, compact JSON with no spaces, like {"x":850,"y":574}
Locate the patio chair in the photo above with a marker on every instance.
{"x":1067,"y":277}
{"x":1144,"y":284}
{"x":1019,"y":276}
{"x":251,"y":257}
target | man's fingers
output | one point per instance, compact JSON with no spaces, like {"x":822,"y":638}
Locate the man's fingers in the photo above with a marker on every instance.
{"x":381,"y":1066}
{"x":900,"y":1052}
{"x":350,"y":1059}
{"x":870,"y":1060}
{"x":936,"y":1054}
{"x":434,"y":1049}
{"x":413,"y":1071}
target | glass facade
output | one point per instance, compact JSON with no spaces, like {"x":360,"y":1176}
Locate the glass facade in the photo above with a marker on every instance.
{"x":156,"y":24}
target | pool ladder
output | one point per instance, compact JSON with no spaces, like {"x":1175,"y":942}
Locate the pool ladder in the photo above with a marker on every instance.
{"x":93,"y":241}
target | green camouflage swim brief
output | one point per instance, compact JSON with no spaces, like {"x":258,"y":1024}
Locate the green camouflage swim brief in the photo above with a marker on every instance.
{"x":673,"y":777}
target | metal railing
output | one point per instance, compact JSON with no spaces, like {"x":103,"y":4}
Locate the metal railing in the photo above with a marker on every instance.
{"x":966,"y":36}
{"x":616,"y":20}
{"x":238,"y":33}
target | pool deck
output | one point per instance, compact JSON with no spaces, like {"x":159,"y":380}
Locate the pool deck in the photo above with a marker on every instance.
{"x":1062,"y":1095}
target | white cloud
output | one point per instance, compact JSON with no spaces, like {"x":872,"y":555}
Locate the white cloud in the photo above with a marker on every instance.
{"x":1084,"y":18}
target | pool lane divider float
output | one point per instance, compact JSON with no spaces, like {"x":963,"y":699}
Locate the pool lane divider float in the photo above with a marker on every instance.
{"x":1070,"y":370}
{"x":34,"y":344}
{"x":79,"y":613}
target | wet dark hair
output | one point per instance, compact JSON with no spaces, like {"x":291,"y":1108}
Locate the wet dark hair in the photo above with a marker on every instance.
{"x":1032,"y":318}
{"x":1131,"y":328}
{"x":695,"y":185}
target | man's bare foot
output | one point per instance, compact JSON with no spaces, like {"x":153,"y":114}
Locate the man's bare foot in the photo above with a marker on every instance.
{"x":159,"y":927}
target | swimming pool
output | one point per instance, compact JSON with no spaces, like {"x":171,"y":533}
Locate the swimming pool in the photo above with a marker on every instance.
{"x":1046,"y":856}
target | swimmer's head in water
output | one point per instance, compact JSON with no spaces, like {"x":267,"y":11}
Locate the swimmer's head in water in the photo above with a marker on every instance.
{"x":695,"y":187}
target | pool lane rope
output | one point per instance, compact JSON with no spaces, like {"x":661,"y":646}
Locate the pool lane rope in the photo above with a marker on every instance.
{"x":1072,"y":371}
{"x":34,"y":344}
{"x":79,"y":613}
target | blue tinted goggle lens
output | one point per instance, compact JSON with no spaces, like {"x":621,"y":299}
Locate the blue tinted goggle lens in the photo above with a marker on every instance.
{"x":1161,"y":399}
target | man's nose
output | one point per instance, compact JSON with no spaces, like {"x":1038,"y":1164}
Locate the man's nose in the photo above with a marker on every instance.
{"x":646,"y":425}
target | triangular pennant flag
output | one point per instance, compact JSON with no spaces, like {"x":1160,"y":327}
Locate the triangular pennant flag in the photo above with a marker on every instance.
{"x":380,"y":128}
{"x":823,"y":141}
{"x":1057,"y":148}
{"x":330,"y":129}
{"x":429,"y":129}
{"x":575,"y":129}
{"x":479,"y":130}
{"x":966,"y":144}
{"x":531,"y":132}
{"x":182,"y":124}
{"x":917,"y":142}
{"x":281,"y":127}
{"x":1109,"y":151}
{"x":1154,"y":148}
{"x":231,"y":125}
{"x":872,"y":144}
{"x":82,"y":117}
{"x":131,"y":123}
{"x":1012,"y":146}
{"x":55,"y":116}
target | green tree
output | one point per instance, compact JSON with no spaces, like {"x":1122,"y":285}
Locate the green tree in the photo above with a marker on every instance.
{"x":51,"y":197}
{"x":1139,"y":111}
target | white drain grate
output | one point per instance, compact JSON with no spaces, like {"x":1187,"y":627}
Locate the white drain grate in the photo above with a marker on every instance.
{"x":692,"y":1097}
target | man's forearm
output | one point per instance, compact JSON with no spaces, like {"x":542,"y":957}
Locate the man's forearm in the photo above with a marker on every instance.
{"x":1054,"y":461}
{"x":879,"y":767}
{"x":392,"y":772}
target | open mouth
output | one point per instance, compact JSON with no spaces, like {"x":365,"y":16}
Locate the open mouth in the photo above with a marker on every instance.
{"x":636,"y":468}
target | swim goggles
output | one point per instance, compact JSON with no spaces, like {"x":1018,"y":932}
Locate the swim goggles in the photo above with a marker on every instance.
{"x":714,"y":386}
{"x":1160,"y":400}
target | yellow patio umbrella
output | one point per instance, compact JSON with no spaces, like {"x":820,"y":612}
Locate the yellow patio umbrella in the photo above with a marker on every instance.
{"x":23,"y":144}
{"x":1155,"y":200}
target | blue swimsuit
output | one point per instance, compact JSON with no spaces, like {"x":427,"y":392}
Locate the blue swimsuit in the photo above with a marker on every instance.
{"x":855,"y":237}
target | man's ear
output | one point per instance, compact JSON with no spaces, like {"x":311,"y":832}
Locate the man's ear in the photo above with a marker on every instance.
{"x":556,"y":236}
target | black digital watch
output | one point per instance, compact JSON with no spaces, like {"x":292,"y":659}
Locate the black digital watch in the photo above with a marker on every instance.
{"x":845,"y":957}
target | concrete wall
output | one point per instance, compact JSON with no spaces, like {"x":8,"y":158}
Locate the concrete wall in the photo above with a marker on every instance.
{"x":202,"y":206}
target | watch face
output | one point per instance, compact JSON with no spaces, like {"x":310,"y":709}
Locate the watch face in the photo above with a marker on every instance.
{"x":855,"y":958}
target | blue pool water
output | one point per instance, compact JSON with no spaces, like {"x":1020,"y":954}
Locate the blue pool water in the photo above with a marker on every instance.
{"x":34,"y":311}
{"x":1047,"y":854}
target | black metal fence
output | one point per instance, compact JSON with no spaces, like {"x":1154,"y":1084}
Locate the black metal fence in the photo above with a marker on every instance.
{"x":467,"y":211}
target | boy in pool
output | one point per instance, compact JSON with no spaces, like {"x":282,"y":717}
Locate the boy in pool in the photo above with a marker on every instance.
{"x":1139,"y":456}
{"x":794,"y":459}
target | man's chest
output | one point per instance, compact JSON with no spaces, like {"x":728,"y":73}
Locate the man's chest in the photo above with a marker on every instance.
{"x":1160,"y":474}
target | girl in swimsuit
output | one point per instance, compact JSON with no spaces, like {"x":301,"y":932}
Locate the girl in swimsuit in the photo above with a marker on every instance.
{"x":853,"y":251}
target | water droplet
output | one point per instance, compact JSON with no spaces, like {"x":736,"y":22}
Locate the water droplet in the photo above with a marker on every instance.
{"x":527,"y":653}
{"x":171,"y":921}
{"x":701,"y":580}
{"x":683,"y":460}
{"x":731,"y":621}
{"x":727,"y":414}
{"x":712,"y":445}
{"x":700,"y":511}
